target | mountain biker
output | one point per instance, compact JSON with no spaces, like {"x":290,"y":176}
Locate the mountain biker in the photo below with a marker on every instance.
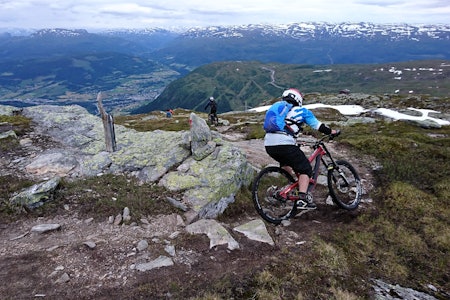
{"x":213,"y":107}
{"x":282,"y":145}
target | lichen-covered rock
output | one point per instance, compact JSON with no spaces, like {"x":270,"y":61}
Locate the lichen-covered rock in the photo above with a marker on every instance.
{"x":95,"y":164}
{"x":202,"y":144}
{"x":54,"y":162}
{"x":210,"y":184}
{"x":206,"y":169}
{"x":37,"y":194}
{"x":8,"y":134}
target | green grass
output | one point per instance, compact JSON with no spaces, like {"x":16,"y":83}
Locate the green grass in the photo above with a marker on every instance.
{"x":19,"y":124}
{"x":157,"y":121}
{"x":9,"y":184}
{"x":108,"y":195}
{"x":407,"y":153}
{"x":406,"y":236}
{"x":9,"y":143}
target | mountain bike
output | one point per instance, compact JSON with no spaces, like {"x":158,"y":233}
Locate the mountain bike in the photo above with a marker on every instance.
{"x":212,"y":119}
{"x":275,"y":191}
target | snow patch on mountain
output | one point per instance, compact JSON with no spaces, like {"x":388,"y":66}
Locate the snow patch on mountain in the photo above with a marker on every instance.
{"x":355,"y":110}
{"x":323,"y":29}
{"x":303,"y":30}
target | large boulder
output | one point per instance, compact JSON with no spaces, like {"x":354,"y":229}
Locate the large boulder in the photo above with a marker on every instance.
{"x":202,"y":144}
{"x":207,"y":170}
{"x":212,"y":175}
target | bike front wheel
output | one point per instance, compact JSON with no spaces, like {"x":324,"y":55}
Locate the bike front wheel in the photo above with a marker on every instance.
{"x":265,"y":194}
{"x":344,"y":185}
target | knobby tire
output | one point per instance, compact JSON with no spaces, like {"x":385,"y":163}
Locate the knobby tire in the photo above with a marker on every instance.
{"x":271,"y":208}
{"x":344,"y":185}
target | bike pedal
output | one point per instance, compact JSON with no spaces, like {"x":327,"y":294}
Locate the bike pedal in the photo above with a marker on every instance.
{"x":303,"y":205}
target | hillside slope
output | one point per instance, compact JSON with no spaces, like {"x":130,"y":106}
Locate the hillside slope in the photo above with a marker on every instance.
{"x":240,"y":85}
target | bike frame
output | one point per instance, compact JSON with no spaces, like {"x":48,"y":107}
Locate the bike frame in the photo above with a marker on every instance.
{"x":318,"y":154}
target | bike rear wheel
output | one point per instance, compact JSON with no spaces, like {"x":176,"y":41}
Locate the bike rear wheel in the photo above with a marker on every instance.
{"x":270,"y":206}
{"x":213,"y":120}
{"x":344,"y":185}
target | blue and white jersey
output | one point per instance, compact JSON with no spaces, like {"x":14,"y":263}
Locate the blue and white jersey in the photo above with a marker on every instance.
{"x":303,"y":115}
{"x":299,"y":115}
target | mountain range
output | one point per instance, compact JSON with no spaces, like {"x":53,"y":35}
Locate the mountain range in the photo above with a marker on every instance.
{"x":310,"y":43}
{"x":135,"y":66}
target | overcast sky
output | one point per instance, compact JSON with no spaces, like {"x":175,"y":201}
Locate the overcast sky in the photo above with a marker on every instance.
{"x":90,"y":14}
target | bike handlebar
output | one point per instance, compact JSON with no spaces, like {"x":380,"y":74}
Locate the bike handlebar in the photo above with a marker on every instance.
{"x":320,"y":141}
{"x":332,"y":136}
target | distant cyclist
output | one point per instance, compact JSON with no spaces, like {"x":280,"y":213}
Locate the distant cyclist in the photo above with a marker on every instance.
{"x":282,"y":146}
{"x":213,"y":107}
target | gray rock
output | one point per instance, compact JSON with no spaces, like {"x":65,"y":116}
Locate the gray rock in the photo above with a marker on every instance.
{"x":142,"y":245}
{"x":201,"y":138}
{"x":214,"y":209}
{"x":162,"y":261}
{"x":63,"y":279}
{"x":90,"y":244}
{"x":177,"y":204}
{"x":210,"y":184}
{"x":126,"y":214}
{"x":118,"y":219}
{"x":37,"y":194}
{"x":386,"y":291}
{"x":256,"y":230}
{"x":8,"y":134}
{"x":216,"y":233}
{"x":170,"y":250}
{"x":43,"y":228}
{"x":56,"y":162}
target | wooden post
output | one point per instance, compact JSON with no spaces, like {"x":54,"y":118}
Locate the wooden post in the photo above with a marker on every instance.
{"x":108,"y":125}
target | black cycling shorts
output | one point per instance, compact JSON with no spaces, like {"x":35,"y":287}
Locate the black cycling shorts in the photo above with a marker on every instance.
{"x":290,"y":155}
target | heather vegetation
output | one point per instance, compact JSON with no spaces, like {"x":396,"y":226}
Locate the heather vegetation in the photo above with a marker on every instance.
{"x":402,"y":236}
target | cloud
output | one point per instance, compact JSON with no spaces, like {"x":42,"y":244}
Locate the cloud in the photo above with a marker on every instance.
{"x":381,"y":3}
{"x":148,"y":13}
{"x":125,"y":9}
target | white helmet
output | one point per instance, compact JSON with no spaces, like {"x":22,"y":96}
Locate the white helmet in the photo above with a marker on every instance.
{"x":211,"y":98}
{"x":294,"y":96}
